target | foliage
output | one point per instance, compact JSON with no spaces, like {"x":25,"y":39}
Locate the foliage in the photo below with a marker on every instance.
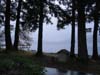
{"x":18,"y":65}
{"x":31,"y":11}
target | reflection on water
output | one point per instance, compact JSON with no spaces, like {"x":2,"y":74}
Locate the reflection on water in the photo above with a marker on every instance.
{"x":54,"y":71}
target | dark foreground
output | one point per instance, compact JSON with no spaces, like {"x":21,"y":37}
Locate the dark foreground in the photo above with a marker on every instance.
{"x":74,"y":64}
{"x":26,"y":63}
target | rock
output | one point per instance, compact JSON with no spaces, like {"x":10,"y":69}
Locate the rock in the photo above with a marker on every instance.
{"x":63,"y":51}
{"x":62,"y":55}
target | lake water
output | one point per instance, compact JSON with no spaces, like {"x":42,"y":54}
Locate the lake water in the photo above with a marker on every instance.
{"x":54,"y":40}
{"x":54,"y":71}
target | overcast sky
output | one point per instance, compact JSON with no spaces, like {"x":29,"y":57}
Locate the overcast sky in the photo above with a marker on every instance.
{"x":54,"y":40}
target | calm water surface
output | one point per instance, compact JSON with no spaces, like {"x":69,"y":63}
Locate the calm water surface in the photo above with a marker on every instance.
{"x":54,"y":71}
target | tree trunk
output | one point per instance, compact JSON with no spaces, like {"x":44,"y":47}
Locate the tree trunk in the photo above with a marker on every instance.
{"x":82,"y":45}
{"x":17,"y":30}
{"x":95,"y":32}
{"x":95,"y":46}
{"x":8,"y":41}
{"x":72,"y":54}
{"x":40,"y":32}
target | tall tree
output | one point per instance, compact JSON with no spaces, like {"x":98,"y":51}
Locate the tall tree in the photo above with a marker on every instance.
{"x":36,"y":19}
{"x":72,"y":54}
{"x":7,"y":26}
{"x":55,"y":10}
{"x":40,"y":32}
{"x":17,"y":29}
{"x":33,"y":19}
{"x":82,"y":45}
{"x":96,"y":24}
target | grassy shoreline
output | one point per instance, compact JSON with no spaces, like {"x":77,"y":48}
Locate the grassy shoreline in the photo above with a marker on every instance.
{"x":47,"y":61}
{"x":16,"y":63}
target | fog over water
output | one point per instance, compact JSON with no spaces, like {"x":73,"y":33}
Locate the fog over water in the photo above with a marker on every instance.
{"x":54,"y":40}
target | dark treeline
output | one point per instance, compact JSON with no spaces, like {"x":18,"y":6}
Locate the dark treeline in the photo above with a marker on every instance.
{"x":31,"y":14}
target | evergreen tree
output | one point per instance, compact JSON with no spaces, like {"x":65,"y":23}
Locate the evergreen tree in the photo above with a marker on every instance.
{"x":96,"y":24}
{"x":72,"y":54}
{"x":82,"y":45}
{"x":7,"y":26}
{"x":17,"y":29}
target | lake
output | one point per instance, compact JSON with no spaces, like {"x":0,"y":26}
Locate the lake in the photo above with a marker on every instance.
{"x":55,"y":40}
